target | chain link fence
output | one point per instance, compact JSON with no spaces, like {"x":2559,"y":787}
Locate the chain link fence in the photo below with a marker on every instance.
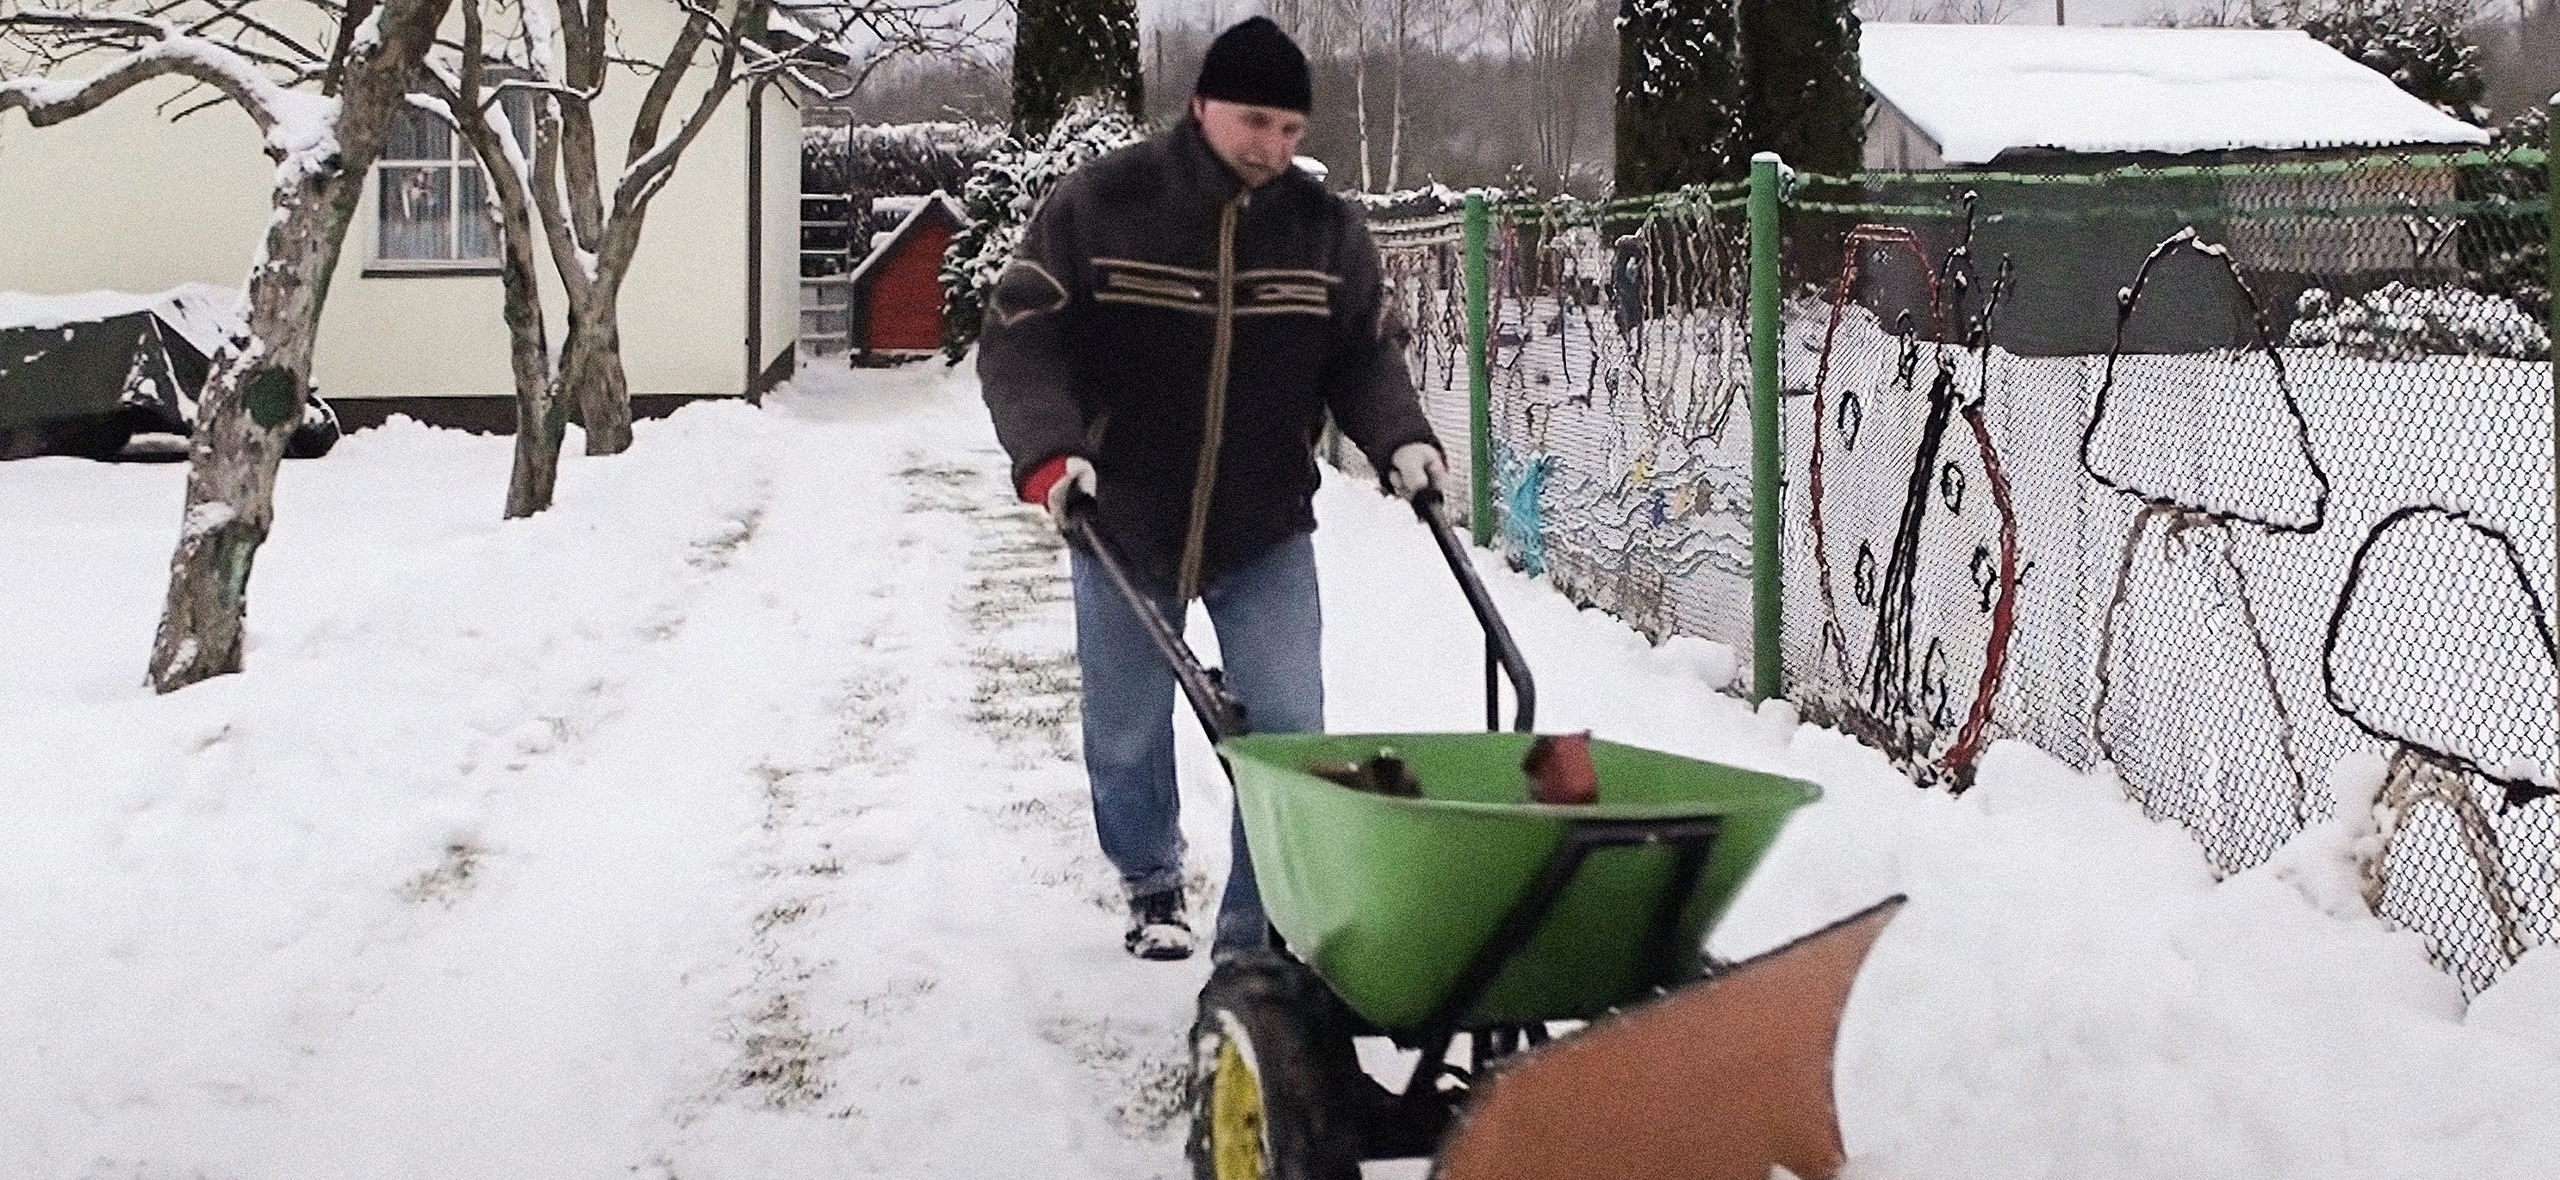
{"x":2236,"y":479}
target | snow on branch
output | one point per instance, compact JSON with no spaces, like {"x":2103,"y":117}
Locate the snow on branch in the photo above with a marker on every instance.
{"x":299,"y":128}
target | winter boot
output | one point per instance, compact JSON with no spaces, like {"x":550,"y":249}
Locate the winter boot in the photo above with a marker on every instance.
{"x":1156,"y":928}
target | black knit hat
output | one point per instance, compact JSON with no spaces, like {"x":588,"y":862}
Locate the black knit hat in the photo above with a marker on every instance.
{"x":1257,"y":64}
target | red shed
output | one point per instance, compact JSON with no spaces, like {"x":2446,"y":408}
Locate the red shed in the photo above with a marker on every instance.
{"x":897,"y":290}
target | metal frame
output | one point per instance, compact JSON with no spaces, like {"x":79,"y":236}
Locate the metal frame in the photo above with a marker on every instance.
{"x":1410,"y":1123}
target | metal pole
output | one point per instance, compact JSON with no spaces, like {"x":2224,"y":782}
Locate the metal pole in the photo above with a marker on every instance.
{"x":2551,"y":292}
{"x":1479,"y":376}
{"x":755,"y":244}
{"x":1768,"y":665}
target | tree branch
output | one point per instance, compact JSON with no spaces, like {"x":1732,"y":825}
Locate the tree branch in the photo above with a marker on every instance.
{"x":47,"y":102}
{"x":662,"y":89}
{"x":357,"y":13}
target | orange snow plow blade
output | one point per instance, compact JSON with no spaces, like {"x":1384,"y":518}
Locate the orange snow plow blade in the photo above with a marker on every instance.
{"x":1716,"y":1081}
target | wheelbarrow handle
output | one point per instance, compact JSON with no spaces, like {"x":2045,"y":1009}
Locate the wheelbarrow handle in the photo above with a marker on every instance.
{"x":1499,"y":650}
{"x":1221,"y":714}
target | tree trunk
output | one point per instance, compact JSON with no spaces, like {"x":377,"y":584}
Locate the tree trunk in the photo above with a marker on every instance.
{"x":248,"y":407}
{"x":256,"y":395}
{"x":591,"y":368}
{"x":542,"y":415}
{"x":1360,"y":109}
{"x":1395,"y":128}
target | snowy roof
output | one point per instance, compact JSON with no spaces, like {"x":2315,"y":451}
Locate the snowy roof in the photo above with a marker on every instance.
{"x":1980,"y":90}
{"x":885,"y":243}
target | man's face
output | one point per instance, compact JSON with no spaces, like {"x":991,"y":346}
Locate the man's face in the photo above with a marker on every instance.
{"x":1256,"y":143}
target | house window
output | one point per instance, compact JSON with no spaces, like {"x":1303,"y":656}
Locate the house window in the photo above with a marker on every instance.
{"x":434,"y":198}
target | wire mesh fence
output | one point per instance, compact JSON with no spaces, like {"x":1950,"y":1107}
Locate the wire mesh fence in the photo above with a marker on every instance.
{"x":2236,"y":479}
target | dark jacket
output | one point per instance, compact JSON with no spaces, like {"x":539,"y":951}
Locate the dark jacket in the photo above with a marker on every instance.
{"x":1188,"y":337}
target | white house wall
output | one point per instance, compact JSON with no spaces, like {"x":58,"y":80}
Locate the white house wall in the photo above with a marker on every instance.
{"x":121,"y":199}
{"x":781,"y":255}
{"x":683,"y":310}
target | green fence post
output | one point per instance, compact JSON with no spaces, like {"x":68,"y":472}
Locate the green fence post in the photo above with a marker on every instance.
{"x":1768,"y":664}
{"x":1479,"y":375}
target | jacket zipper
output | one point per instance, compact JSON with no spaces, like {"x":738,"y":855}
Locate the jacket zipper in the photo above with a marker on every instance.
{"x":1213,"y":414}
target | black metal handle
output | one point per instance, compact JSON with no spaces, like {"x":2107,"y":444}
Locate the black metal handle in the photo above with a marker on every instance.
{"x":1499,"y":650}
{"x":1221,"y":714}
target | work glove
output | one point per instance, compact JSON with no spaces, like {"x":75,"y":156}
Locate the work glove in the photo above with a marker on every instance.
{"x":1049,"y":486}
{"x":1415,"y":466}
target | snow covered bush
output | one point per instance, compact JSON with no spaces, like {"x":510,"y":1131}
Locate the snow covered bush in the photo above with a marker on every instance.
{"x":1001,"y":193}
{"x":2508,"y":253}
{"x":893,"y":158}
{"x":2401,"y":323}
{"x":1431,"y":200}
{"x":2423,"y":46}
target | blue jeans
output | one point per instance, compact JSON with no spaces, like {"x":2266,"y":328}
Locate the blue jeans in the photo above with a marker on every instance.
{"x":1270,"y":639}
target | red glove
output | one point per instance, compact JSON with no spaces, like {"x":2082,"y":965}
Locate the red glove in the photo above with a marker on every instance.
{"x":1048,"y":484}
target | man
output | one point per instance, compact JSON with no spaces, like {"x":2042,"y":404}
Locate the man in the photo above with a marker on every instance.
{"x":1168,"y":338}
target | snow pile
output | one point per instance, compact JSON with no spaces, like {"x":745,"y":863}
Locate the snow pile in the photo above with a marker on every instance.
{"x":2399,"y":322}
{"x":723,"y":822}
{"x":202,"y":312}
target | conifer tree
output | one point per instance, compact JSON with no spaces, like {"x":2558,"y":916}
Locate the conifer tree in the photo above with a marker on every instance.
{"x":1679,"y":117}
{"x":1801,"y":95}
{"x":1065,"y":49}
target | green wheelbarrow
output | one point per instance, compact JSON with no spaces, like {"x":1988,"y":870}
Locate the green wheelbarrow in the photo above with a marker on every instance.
{"x":1464,"y":923}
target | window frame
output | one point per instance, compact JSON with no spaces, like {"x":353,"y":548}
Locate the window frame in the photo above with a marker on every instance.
{"x":458,"y":157}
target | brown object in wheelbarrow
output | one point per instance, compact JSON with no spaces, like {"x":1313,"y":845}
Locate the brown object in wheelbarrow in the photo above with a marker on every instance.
{"x":1384,"y":774}
{"x":1716,"y":1081}
{"x":1560,"y":770}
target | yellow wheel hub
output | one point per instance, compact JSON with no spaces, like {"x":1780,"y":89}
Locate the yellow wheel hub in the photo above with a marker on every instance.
{"x":1235,"y":1116}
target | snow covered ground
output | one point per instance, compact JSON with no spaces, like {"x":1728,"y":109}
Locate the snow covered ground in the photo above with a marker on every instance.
{"x":723,"y":822}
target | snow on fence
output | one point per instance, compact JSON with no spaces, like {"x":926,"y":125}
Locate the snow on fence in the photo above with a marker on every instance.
{"x":2203,"y":474}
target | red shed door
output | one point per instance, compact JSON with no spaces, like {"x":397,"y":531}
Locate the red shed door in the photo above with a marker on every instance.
{"x":906,"y":300}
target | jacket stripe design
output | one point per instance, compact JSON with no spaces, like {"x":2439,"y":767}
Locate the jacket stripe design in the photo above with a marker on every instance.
{"x":1255,"y":292}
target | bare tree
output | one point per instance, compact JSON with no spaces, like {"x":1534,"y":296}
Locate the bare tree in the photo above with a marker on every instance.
{"x":322,"y":111}
{"x":1408,"y":22}
{"x":1361,"y":35}
{"x":1546,"y":36}
{"x":594,"y":232}
{"x":465,"y":100}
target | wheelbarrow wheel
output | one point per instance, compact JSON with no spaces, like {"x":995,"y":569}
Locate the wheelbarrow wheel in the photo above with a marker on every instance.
{"x":1272,"y":1070}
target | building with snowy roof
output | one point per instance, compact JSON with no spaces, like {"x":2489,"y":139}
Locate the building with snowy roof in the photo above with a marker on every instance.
{"x":126,"y":199}
{"x":2010,"y":96}
{"x":2043,"y":101}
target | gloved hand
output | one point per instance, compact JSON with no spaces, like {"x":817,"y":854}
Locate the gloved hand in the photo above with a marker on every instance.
{"x":1048,"y":486}
{"x":1415,"y":466}
{"x":1078,"y":477}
